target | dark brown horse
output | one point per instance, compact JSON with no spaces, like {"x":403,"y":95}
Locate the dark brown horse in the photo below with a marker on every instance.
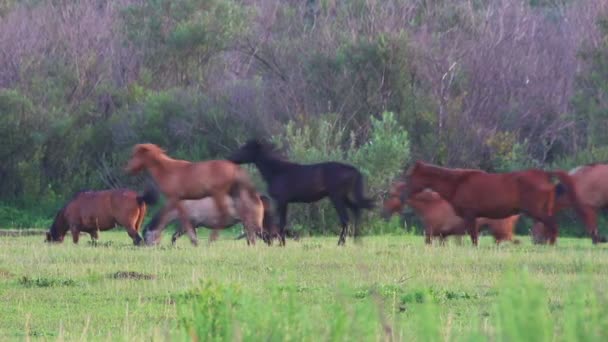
{"x":290,"y":182}
{"x":474,"y":193}
{"x":92,"y":211}
{"x":439,"y":218}
{"x":183,"y":180}
{"x":592,"y":189}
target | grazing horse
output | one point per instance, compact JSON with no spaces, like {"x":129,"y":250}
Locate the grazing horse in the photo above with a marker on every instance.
{"x":592,"y":189}
{"x":205,"y":213}
{"x":475,"y":193}
{"x":439,"y":218}
{"x":92,"y":211}
{"x":290,"y":182}
{"x":183,"y":180}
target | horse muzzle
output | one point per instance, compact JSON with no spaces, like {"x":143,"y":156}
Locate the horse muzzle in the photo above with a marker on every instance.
{"x":151,"y":238}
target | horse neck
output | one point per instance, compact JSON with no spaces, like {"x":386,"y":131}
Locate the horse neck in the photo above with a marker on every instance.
{"x":161,"y":165}
{"x":270,"y":167}
{"x":59,"y":226}
{"x":443,"y":181}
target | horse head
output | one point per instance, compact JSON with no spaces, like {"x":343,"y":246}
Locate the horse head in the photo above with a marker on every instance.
{"x":415,"y":181}
{"x":253,"y":150}
{"x":393,"y":203}
{"x":58,"y":229}
{"x":142,"y":157}
{"x":151,"y":232}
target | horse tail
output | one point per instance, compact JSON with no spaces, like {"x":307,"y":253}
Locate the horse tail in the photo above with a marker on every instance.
{"x":568,"y":186}
{"x":149,"y":196}
{"x":361,"y":201}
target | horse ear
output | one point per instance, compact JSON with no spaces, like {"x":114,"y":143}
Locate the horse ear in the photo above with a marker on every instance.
{"x":141,"y":149}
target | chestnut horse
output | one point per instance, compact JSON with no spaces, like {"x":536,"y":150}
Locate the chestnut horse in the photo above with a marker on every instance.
{"x":204,"y":213}
{"x":439,"y":218}
{"x":475,"y":193}
{"x":592,"y":189}
{"x":92,"y":211}
{"x":183,"y":180}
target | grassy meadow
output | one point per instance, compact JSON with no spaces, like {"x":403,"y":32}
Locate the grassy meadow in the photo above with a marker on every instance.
{"x":386,"y":288}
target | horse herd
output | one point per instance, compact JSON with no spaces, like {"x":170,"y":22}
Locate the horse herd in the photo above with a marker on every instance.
{"x":217,"y":194}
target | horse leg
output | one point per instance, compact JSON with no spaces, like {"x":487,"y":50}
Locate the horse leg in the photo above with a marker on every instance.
{"x":282,"y":210}
{"x":471,"y":224}
{"x":357,"y":214}
{"x":591,"y":223}
{"x":550,"y":228}
{"x":94,"y":236}
{"x":343,"y":214}
{"x":75,"y":233}
{"x":442,"y":239}
{"x":134,"y":235}
{"x":222,"y":209}
{"x":178,"y":232}
{"x":186,"y":225}
{"x":213,"y":236}
{"x":428,"y":234}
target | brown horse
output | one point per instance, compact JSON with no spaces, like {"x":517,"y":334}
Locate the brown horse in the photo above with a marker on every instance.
{"x":204,"y":213}
{"x":439,"y":218}
{"x":92,"y":211}
{"x":474,"y":193}
{"x":183,"y":180}
{"x":592,"y":189}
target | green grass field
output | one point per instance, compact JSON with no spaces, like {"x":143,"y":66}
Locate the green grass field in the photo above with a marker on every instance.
{"x":388,"y":287}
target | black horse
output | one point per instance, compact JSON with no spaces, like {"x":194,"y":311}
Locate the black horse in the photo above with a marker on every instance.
{"x":296,"y":183}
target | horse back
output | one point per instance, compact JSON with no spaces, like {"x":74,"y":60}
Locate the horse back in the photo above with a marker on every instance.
{"x":591,"y":185}
{"x":102,"y":209}
{"x":487,"y":194}
{"x":200,"y":179}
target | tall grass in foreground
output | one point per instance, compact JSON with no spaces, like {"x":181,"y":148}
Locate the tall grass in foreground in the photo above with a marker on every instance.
{"x":522,"y":312}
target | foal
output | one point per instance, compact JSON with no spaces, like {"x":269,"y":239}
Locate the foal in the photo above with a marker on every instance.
{"x":204,"y":213}
{"x":183,"y":180}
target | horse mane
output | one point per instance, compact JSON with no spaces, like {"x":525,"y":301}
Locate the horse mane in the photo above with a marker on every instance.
{"x":270,"y":150}
{"x":439,"y":171}
{"x":150,"y":148}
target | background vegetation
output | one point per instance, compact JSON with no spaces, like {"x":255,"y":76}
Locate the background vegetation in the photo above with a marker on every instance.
{"x":497,"y":85}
